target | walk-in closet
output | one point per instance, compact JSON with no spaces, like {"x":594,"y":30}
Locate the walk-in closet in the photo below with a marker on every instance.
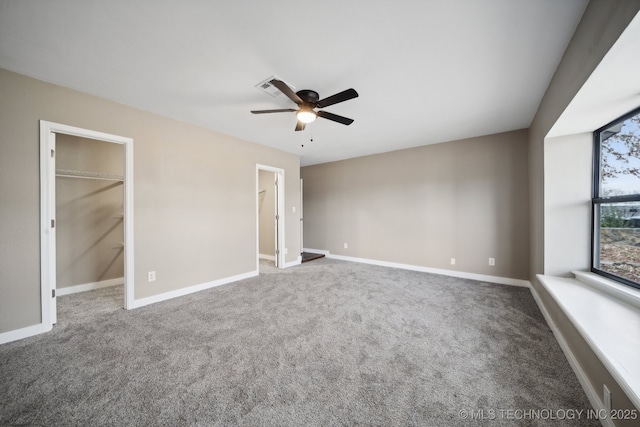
{"x":89,"y":217}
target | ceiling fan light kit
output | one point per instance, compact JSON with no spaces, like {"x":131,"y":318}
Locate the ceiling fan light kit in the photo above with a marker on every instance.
{"x":307,"y":101}
{"x":306,"y":116}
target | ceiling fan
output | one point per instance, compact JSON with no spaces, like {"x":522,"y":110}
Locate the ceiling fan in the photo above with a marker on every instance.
{"x":308,"y":101}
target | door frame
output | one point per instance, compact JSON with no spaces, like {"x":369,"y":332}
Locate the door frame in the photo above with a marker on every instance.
{"x":48,"y":131}
{"x":280,"y":255}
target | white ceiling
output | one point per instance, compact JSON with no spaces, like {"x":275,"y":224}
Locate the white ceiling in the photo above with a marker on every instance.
{"x":426,"y":71}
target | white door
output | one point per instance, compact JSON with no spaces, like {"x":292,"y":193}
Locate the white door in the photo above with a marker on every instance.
{"x":301,"y":218}
{"x":52,"y":206}
{"x":277,"y":223}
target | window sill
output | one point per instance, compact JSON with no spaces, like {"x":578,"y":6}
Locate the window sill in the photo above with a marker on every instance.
{"x":607,"y":315}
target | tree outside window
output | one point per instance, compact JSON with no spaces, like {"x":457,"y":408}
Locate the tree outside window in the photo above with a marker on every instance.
{"x":616,"y":201}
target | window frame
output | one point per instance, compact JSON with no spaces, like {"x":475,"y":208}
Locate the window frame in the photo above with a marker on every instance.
{"x":597,"y":200}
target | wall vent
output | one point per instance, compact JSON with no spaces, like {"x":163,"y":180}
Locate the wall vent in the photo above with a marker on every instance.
{"x":268,"y":88}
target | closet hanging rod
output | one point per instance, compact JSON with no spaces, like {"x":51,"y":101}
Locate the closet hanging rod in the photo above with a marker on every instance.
{"x":71,"y":173}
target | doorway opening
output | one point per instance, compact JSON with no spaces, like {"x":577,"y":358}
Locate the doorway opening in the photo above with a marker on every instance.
{"x":304,"y":255}
{"x":269,"y":217}
{"x":86,"y":196}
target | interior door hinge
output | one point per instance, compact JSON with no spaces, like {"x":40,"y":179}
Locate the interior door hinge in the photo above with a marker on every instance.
{"x":53,"y":152}
{"x":53,"y":223}
{"x":277,"y":252}
{"x":53,"y":293}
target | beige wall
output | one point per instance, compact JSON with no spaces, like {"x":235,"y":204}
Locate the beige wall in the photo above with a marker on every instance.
{"x":194,"y":190}
{"x":423,"y":206}
{"x":267,"y":200}
{"x":601,"y":25}
{"x":89,"y":222}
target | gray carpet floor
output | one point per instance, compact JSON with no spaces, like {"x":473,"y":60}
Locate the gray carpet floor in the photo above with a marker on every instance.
{"x":325,"y":343}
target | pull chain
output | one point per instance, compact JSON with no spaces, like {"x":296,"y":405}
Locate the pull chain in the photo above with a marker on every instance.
{"x":311,"y":139}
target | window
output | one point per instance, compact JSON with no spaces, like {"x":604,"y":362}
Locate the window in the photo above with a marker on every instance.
{"x":616,"y":200}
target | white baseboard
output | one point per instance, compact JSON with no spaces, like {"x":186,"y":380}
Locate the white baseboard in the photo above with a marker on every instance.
{"x":18,"y":334}
{"x":89,"y":286}
{"x":298,"y":261}
{"x":592,"y":394}
{"x":40,"y":328}
{"x":269,"y":257}
{"x":451,"y":273}
{"x":191,"y":289}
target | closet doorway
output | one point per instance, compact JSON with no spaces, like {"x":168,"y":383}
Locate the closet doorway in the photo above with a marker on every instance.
{"x":86,"y":213}
{"x":269,"y":215}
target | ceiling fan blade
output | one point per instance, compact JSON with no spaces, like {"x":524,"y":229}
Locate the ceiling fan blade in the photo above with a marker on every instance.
{"x":345,"y":95}
{"x":282,"y":86}
{"x":286,"y":110}
{"x":300,"y":125}
{"x":335,"y":117}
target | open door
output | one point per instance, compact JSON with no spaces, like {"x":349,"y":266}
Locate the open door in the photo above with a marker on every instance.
{"x":301,"y":217}
{"x":279,"y":214}
{"x":277,"y":224}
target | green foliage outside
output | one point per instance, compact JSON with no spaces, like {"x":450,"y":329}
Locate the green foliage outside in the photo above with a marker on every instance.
{"x":612,"y":218}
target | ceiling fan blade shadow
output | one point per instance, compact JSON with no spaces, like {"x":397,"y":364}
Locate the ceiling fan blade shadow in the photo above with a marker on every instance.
{"x":286,"y":110}
{"x":282,"y":86}
{"x":300,"y":125}
{"x":335,"y":117}
{"x":345,"y":95}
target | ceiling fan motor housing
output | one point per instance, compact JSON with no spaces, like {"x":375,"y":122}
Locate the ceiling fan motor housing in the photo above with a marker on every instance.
{"x":309,"y":96}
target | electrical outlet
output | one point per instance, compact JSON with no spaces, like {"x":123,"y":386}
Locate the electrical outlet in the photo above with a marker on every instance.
{"x":606,"y":399}
{"x":151,"y":276}
{"x":286,"y":251}
{"x":453,"y":261}
{"x":293,"y":209}
{"x":492,"y":261}
{"x":345,"y":246}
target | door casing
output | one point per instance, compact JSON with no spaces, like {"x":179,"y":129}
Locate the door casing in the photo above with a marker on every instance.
{"x":48,"y":131}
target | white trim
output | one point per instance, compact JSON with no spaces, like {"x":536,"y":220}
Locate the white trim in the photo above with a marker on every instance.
{"x":460,"y":274}
{"x":47,"y":212}
{"x":18,"y":334}
{"x":129,"y":272}
{"x":89,"y":286}
{"x":280,"y":210}
{"x":191,"y":289}
{"x":298,"y":261}
{"x":592,"y":394}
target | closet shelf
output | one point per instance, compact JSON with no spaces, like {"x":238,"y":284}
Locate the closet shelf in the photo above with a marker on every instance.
{"x":71,"y":173}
